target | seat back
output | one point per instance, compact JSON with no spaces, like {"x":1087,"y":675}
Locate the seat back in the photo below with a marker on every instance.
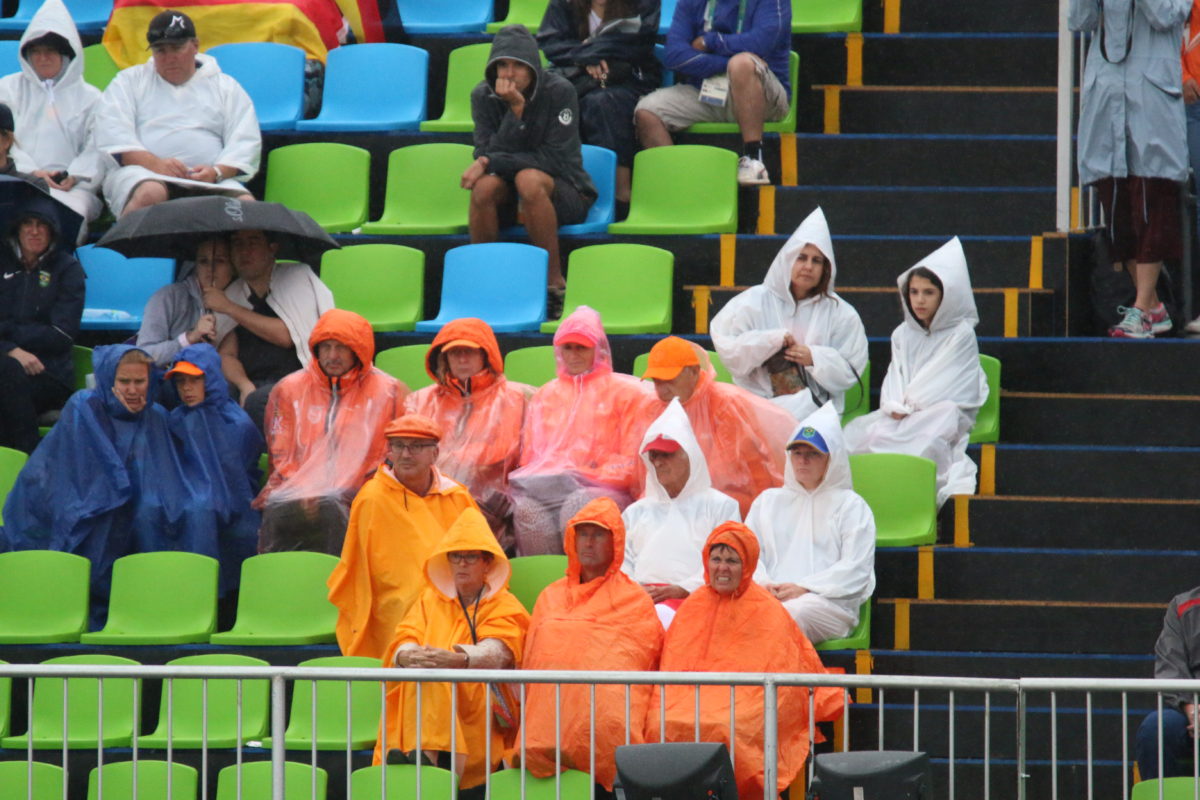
{"x":902,"y":493}
{"x":422,"y":16}
{"x":354,"y":97}
{"x":522,"y":12}
{"x":406,"y":362}
{"x":385,"y":283}
{"x":11,"y":463}
{"x":570,"y":784}
{"x":531,"y":574}
{"x":826,"y":16}
{"x":423,"y":192}
{"x":631,"y":285}
{"x":272,"y":74}
{"x":162,"y":597}
{"x":328,"y":181}
{"x":120,"y":284}
{"x":857,"y":639}
{"x":502,"y":283}
{"x":43,"y":596}
{"x":463,"y":71}
{"x":368,"y":783}
{"x":98,"y":66}
{"x":720,"y":373}
{"x":15,"y":779}
{"x":144,"y":778}
{"x":81,"y":358}
{"x":532,"y":365}
{"x":284,"y":596}
{"x":330,"y":702}
{"x":82,"y":697}
{"x":601,"y":164}
{"x":857,"y":400}
{"x":666,"y":14}
{"x":987,"y":421}
{"x":688,"y":188}
{"x":183,"y":709}
{"x":251,"y":780}
{"x":10,"y":57}
{"x":1180,"y":788}
{"x":5,"y":705}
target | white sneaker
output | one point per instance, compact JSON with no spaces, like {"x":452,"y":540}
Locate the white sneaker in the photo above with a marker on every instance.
{"x":752,"y":172}
{"x":1193,"y":326}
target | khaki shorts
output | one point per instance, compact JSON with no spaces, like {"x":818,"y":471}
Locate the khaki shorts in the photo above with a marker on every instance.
{"x":679,"y":106}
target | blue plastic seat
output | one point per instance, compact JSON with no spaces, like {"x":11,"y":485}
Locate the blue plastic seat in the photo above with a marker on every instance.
{"x":272,"y":74}
{"x":356,"y":99}
{"x":10,"y":57}
{"x":121,"y":285}
{"x":666,"y":15}
{"x":502,"y":283}
{"x":440,"y":16}
{"x":601,"y":165}
{"x":90,"y":16}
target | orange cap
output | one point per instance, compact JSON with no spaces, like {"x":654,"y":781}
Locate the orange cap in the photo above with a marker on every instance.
{"x":461,"y":343}
{"x":669,"y":357}
{"x":183,"y":368}
{"x":413,"y":426}
{"x":575,"y":337}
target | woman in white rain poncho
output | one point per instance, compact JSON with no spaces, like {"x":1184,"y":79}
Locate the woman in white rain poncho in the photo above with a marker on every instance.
{"x":934,"y":384}
{"x":796,"y":312}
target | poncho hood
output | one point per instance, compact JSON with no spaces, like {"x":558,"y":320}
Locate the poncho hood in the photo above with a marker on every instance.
{"x":742,"y":540}
{"x":351,"y":330}
{"x":472,"y":330}
{"x":104,"y":365}
{"x":813,"y":230}
{"x":604,"y":512}
{"x":469,"y":532}
{"x":206,"y":357}
{"x":949,"y":263}
{"x":673,"y":424}
{"x":517,"y":43}
{"x":584,"y":320}
{"x":828,"y":423}
{"x":54,"y":18}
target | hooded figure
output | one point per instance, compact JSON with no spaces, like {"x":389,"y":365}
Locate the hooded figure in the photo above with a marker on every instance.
{"x":222,"y":439}
{"x":485,"y":631}
{"x":664,"y":534}
{"x":53,"y":116}
{"x":934,"y":385}
{"x":391,"y":530}
{"x":107,"y":482}
{"x":481,"y":417}
{"x":818,"y":545}
{"x":606,"y":623}
{"x":325,"y":438}
{"x":745,"y":630}
{"x":581,"y":437}
{"x":756,"y":325}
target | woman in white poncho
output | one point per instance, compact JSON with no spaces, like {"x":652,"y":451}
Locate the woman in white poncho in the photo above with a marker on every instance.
{"x":796,"y":321}
{"x":817,"y":535}
{"x":934,"y":384}
{"x":666,"y":530}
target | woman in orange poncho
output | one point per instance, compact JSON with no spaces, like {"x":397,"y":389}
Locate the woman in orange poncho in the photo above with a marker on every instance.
{"x":466,"y":618}
{"x":731,"y":624}
{"x":481,"y":414}
{"x":582,"y":434}
{"x":596,"y":618}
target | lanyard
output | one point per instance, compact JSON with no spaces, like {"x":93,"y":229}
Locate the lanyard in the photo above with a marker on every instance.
{"x":471,"y":617}
{"x":711,"y":9}
{"x":1128,"y":38}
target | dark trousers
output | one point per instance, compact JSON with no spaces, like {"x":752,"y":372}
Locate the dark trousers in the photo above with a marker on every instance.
{"x":22,"y":398}
{"x":1177,"y":745}
{"x":255,"y":404}
{"x":606,"y":120}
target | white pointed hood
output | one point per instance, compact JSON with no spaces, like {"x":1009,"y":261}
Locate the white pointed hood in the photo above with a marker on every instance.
{"x":673,"y":424}
{"x":949,"y":263}
{"x":53,"y":17}
{"x":813,"y":230}
{"x":828,"y":423}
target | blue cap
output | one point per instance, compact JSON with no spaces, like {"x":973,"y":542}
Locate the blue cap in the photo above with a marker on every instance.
{"x":810,"y":436}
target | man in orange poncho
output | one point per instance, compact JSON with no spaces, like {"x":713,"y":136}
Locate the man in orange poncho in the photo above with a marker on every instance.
{"x":465,"y":619}
{"x":735,"y":428}
{"x":324,"y":430}
{"x":582,"y":435}
{"x":397,"y":519}
{"x":481,"y":414}
{"x":596,"y":618}
{"x":731,"y":624}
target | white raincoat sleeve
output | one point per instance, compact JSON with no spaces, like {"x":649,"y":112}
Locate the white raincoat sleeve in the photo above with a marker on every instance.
{"x":837,"y":365}
{"x":243,"y":140}
{"x":953,"y":373}
{"x":851,"y":577}
{"x":739,"y":336}
{"x":757,"y":520}
{"x":115,"y":127}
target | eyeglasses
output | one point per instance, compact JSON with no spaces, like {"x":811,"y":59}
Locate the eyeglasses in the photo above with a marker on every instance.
{"x":415,"y":449}
{"x":464,"y":558}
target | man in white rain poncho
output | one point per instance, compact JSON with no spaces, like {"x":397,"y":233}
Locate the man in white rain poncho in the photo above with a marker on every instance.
{"x":792,"y":339}
{"x":52,"y":107}
{"x":934,"y":384}
{"x":817,"y":535}
{"x":176,"y":125}
{"x":665,"y":531}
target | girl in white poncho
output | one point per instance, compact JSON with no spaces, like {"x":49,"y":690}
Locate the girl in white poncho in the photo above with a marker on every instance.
{"x":797,"y":312}
{"x":934,"y":384}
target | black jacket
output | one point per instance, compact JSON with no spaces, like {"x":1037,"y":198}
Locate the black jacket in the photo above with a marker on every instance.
{"x":40,"y":309}
{"x":626,"y":45}
{"x":546,"y":136}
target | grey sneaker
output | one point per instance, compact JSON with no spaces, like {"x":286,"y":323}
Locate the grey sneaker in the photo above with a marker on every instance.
{"x":1134,"y":325}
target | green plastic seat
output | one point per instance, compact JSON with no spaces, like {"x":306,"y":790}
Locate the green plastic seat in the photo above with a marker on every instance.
{"x":573,"y":785}
{"x":858,"y":397}
{"x":82,"y":702}
{"x":641,"y":362}
{"x":43,"y":596}
{"x":5,"y":704}
{"x":987,"y":421}
{"x":857,"y":639}
{"x":385,"y":283}
{"x":826,"y":16}
{"x":187,"y":709}
{"x":98,"y":66}
{"x":1182,"y":788}
{"x":631,"y":285}
{"x":367,"y":783}
{"x":406,"y":362}
{"x":785,"y":125}
{"x":14,"y":781}
{"x":423,"y":192}
{"x":160,"y":598}
{"x":326,"y":180}
{"x":522,"y":12}
{"x":531,"y":574}
{"x":11,"y":463}
{"x":151,"y":781}
{"x":902,"y":493}
{"x":686,"y":188}
{"x":464,"y":70}
{"x":532,"y":365}
{"x":255,"y":778}
{"x":81,"y":358}
{"x":283,"y":600}
{"x":331,"y":709}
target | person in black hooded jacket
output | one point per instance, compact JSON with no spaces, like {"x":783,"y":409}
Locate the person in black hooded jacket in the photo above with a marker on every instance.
{"x":527,"y":148}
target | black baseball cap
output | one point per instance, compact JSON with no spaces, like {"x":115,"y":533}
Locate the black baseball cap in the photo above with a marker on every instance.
{"x":170,"y":26}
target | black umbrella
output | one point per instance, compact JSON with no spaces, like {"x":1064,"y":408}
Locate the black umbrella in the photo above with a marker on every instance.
{"x":19,"y":197}
{"x":175,"y":229}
